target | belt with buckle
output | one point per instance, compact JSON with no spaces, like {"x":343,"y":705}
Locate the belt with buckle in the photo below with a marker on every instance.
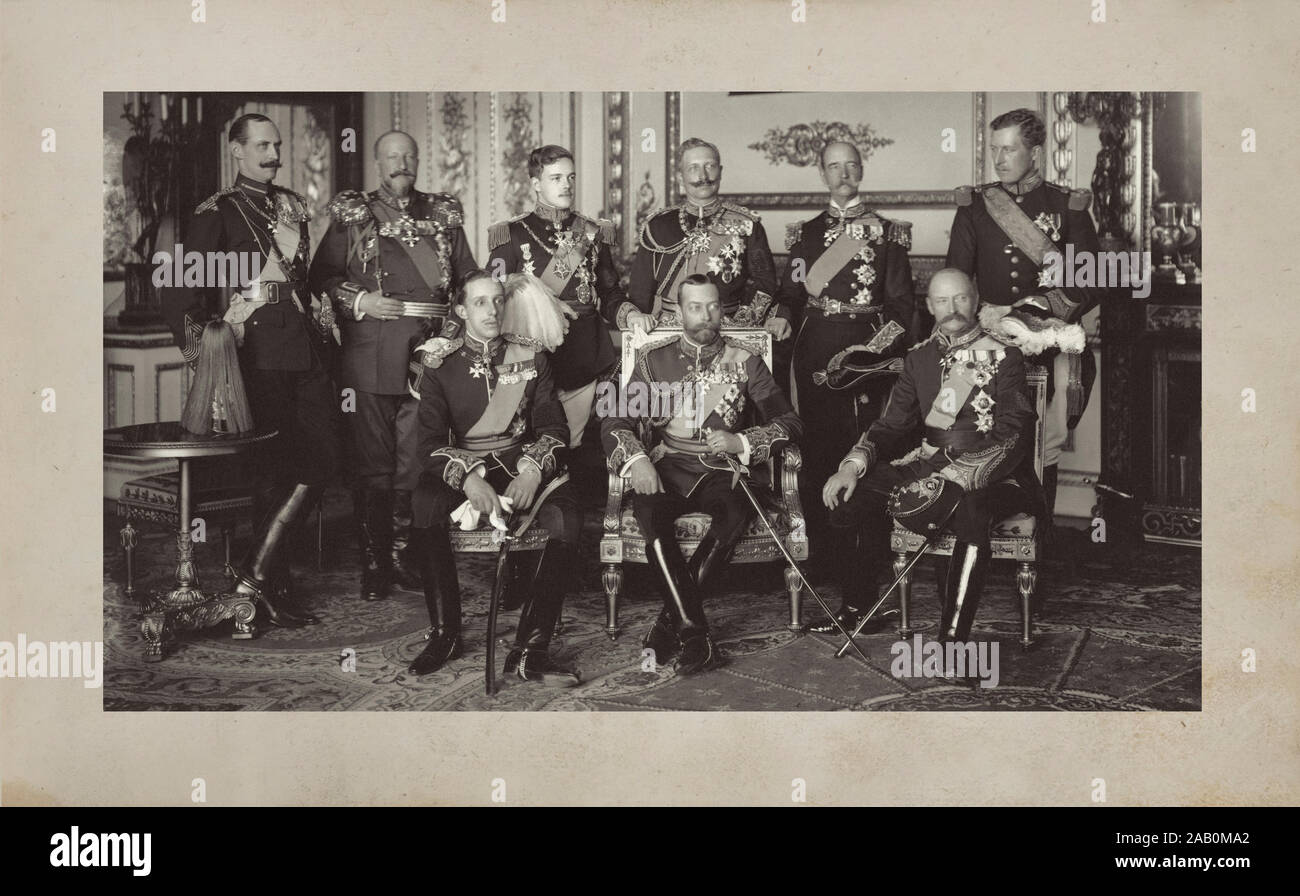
{"x":834,"y":306}
{"x":274,"y":292}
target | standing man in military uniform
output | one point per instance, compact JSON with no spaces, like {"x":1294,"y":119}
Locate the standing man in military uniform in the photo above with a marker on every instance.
{"x":704,"y":235}
{"x":967,"y":389}
{"x":666,"y":461}
{"x":849,"y":281}
{"x":282,"y":348}
{"x":570,"y":253}
{"x":491,"y":427}
{"x":1001,"y":235}
{"x":388,"y":262}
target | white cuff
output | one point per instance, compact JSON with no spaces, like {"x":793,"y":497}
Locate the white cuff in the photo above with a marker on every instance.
{"x":524,"y":459}
{"x":743,"y":457}
{"x":631,"y":460}
{"x":356,"y":307}
{"x":859,"y":468}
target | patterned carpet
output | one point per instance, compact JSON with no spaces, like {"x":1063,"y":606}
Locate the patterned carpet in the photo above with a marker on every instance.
{"x":1111,"y":634}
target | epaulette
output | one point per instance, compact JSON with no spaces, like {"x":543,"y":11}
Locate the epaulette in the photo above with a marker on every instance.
{"x":349,"y":207}
{"x":499,"y":233}
{"x":793,"y":234}
{"x":1080,"y":200}
{"x":741,"y":210}
{"x":604,"y":228}
{"x":447,"y":209}
{"x":210,"y":203}
{"x":659,"y":343}
{"x":963,"y":195}
{"x":900,"y":232}
{"x":433,"y":358}
{"x":296,"y":203}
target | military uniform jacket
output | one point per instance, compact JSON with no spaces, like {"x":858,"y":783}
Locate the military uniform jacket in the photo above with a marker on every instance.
{"x":853,"y":267}
{"x":373,"y":245}
{"x":585,"y":272}
{"x":240,"y":220}
{"x":968,"y":398}
{"x":484,"y":406}
{"x":729,"y":246}
{"x":1003,"y":273}
{"x":723,"y":386}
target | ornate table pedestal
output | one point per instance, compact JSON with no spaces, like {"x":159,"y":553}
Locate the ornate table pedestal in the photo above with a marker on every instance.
{"x":184,"y":607}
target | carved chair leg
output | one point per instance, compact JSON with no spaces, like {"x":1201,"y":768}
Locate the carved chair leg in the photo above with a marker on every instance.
{"x":1026,"y":582}
{"x":612,"y":578}
{"x":904,"y":595}
{"x":794,"y":586}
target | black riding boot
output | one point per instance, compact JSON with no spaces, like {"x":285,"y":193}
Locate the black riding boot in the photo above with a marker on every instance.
{"x":529,"y":659}
{"x":373,"y":514}
{"x":405,"y":573}
{"x":437,"y":564}
{"x":254,"y":574}
{"x":684,"y":606}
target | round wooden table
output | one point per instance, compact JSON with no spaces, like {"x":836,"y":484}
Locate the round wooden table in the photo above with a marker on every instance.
{"x":184,"y":607}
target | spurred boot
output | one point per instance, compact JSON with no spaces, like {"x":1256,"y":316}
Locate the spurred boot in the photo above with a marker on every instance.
{"x":405,"y":572}
{"x":684,"y":606}
{"x":253,"y":576}
{"x":529,"y":659}
{"x":373,"y":515}
{"x":437,"y":565}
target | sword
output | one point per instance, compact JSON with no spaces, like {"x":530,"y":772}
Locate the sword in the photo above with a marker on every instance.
{"x":738,"y":478}
{"x":506,"y":538}
{"x":929,"y":542}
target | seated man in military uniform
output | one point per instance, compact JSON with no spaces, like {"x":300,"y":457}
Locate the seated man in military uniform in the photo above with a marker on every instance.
{"x":968,"y":389}
{"x":681,"y":470}
{"x":490,"y":425}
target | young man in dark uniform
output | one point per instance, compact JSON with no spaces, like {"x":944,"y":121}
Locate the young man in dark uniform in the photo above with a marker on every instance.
{"x":570,"y":253}
{"x":490,"y":424}
{"x":282,"y":348}
{"x":389,"y":262}
{"x":1001,"y":233}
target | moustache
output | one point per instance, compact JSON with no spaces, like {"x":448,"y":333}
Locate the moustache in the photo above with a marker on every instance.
{"x":955,"y":316}
{"x":703,"y":183}
{"x":402,"y":173}
{"x":270,"y":165}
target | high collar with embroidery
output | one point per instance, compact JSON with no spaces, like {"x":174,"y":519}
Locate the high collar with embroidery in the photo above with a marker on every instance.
{"x":855,"y":209}
{"x":1031,"y":181}
{"x":699,"y":352}
{"x":552,"y":214}
{"x":478,"y":346}
{"x":961,"y":340}
{"x":255,"y":189}
{"x":389,"y":198}
{"x":702,"y":211}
